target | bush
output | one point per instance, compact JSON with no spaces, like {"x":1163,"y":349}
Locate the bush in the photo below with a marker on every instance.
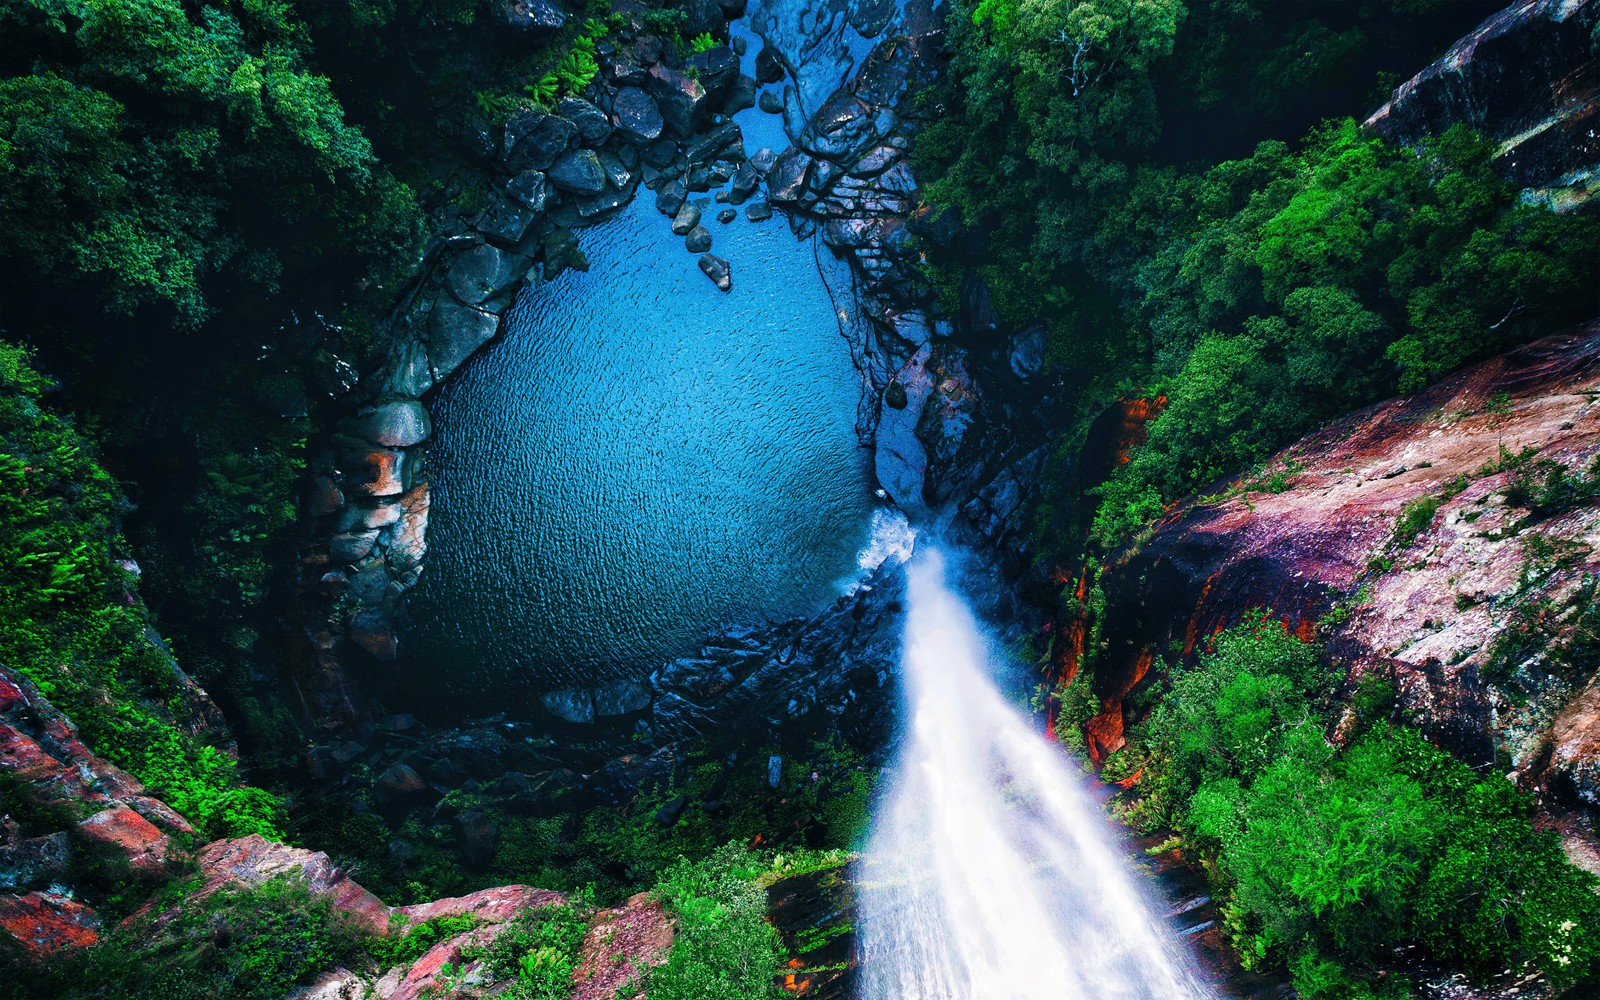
{"x":539,"y":949}
{"x":724,"y":949}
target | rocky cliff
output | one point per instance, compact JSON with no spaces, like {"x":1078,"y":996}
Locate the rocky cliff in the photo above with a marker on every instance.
{"x":1447,"y":541}
{"x":1528,"y":79}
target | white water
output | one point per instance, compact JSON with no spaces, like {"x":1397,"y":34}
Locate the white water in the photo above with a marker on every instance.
{"x":990,"y":874}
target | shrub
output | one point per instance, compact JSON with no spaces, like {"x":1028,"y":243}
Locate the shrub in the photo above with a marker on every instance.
{"x":724,"y":949}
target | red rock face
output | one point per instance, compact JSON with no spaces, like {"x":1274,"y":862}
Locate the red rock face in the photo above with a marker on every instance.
{"x":253,"y":860}
{"x":45,"y":924}
{"x":1426,"y":611}
{"x":135,"y":838}
{"x":621,"y":944}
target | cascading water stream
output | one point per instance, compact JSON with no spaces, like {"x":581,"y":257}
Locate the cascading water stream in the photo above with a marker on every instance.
{"x":990,"y":874}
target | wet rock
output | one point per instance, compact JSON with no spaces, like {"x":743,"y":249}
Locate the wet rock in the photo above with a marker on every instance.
{"x":894,"y":396}
{"x":704,"y":148}
{"x":617,"y":173}
{"x":727,"y":215}
{"x":594,"y":128}
{"x":530,"y":189}
{"x":788,"y":176}
{"x":45,"y":924}
{"x":506,"y":219}
{"x":741,"y":95}
{"x":758,"y":211}
{"x":769,"y":66}
{"x":476,"y":276}
{"x":842,"y":126}
{"x":669,"y":812}
{"x":36,"y":862}
{"x":537,"y":17}
{"x":661,"y":154}
{"x":770,"y":102}
{"x":323,"y":496}
{"x":703,"y":17}
{"x":717,"y":270}
{"x":687,"y":218}
{"x":745,"y":182}
{"x":671,"y":197}
{"x":350,"y":546}
{"x":1027,"y":352}
{"x":697,"y":240}
{"x":454,"y":332}
{"x":592,"y":206}
{"x":733,"y":10}
{"x":373,"y":630}
{"x":680,"y":98}
{"x":716,"y":68}
{"x":574,"y":705}
{"x":539,"y":138}
{"x":636,"y":115}
{"x":578,"y":171}
{"x":620,"y":698}
{"x":900,"y":460}
{"x":763,"y":160}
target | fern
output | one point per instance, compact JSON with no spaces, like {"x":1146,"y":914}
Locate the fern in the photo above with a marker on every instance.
{"x":702,"y":42}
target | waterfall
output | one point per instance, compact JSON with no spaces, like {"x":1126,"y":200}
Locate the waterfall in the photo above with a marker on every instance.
{"x":990,"y":873}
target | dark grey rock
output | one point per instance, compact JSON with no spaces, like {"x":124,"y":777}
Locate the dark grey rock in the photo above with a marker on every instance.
{"x":505,"y":219}
{"x":843,"y":126}
{"x":687,"y":218}
{"x":351,"y":546}
{"x":661,"y":153}
{"x":894,"y":396}
{"x":787,"y":178}
{"x":483,"y":273}
{"x":620,"y":698}
{"x":573,"y":705}
{"x":745,"y":182}
{"x":718,"y":270}
{"x":671,"y":197}
{"x":478,"y":836}
{"x":399,"y":424}
{"x":739,"y":43}
{"x":454,"y":332}
{"x":769,"y":67}
{"x":400,"y":779}
{"x":547,"y":138}
{"x":636,"y":114}
{"x":35,"y":862}
{"x":727,"y":215}
{"x":591,"y":206}
{"x":758,"y":211}
{"x":763,"y":160}
{"x":617,"y":174}
{"x":733,"y":10}
{"x":706,"y":146}
{"x":741,"y":95}
{"x":698,"y":240}
{"x":1027,"y":352}
{"x":669,"y":812}
{"x":530,"y":189}
{"x":681,"y":99}
{"x":703,"y":17}
{"x":594,"y":128}
{"x":716,"y":68}
{"x":578,"y":171}
{"x":770,"y":102}
{"x":539,"y":17}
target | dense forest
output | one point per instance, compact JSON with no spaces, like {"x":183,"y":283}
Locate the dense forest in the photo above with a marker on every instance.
{"x":211,"y":209}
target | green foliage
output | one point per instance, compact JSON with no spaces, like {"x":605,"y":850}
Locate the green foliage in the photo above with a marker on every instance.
{"x":255,"y":943}
{"x":70,"y":619}
{"x":1415,"y":517}
{"x":724,"y":948}
{"x":1327,"y":858}
{"x":538,"y":949}
{"x":703,"y":42}
{"x":144,"y":145}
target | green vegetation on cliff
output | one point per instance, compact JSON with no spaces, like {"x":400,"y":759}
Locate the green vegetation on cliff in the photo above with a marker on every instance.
{"x":1261,"y":294}
{"x":72,"y":621}
{"x":1329,"y":855}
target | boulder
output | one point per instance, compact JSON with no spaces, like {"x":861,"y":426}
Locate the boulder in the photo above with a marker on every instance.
{"x":617,"y":173}
{"x":594,"y":128}
{"x":45,"y":924}
{"x":697,"y":240}
{"x":506,"y":219}
{"x":132,"y":838}
{"x":351,"y":546}
{"x":537,"y":17}
{"x":36,"y":862}
{"x":621,"y":946}
{"x":741,"y":96}
{"x":478,"y":836}
{"x":788,"y":176}
{"x":399,"y":424}
{"x":578,"y":171}
{"x":573,"y":705}
{"x":483,"y":273}
{"x":252,"y":860}
{"x":636,"y":115}
{"x":758,"y":211}
{"x":671,"y":197}
{"x":726,"y":216}
{"x":770,"y":102}
{"x":620,"y":698}
{"x":769,"y":65}
{"x":687,"y":218}
{"x":540,"y":140}
{"x":454,"y":332}
{"x":530,"y":189}
{"x":842,"y":127}
{"x":718,"y":270}
{"x":745,"y":182}
{"x":680,"y":98}
{"x":322,"y":496}
{"x":704,"y":147}
{"x":703,"y":17}
{"x":717,"y":68}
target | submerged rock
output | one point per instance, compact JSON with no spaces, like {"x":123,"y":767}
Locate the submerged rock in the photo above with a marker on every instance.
{"x":698,"y":240}
{"x":758,"y":211}
{"x":687,"y":218}
{"x":718,"y":270}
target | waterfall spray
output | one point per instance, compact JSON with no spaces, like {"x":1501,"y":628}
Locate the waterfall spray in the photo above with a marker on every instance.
{"x":990,"y":874}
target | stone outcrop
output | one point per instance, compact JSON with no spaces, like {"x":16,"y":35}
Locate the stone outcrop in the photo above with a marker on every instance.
{"x":1457,"y":532}
{"x":1528,"y":79}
